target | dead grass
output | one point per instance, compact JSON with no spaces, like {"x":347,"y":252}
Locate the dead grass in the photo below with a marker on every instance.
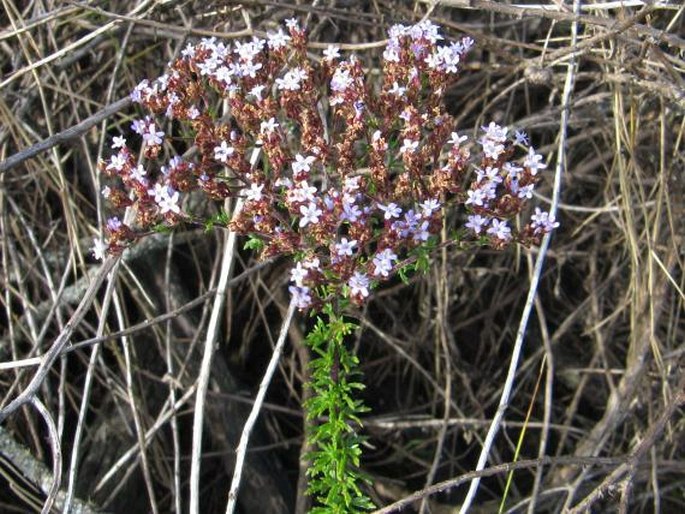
{"x":597,"y":395}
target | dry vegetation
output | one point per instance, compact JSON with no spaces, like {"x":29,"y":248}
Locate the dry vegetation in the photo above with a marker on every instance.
{"x":595,"y":418}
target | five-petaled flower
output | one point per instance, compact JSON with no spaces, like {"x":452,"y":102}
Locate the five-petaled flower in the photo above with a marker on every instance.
{"x":310,"y":214}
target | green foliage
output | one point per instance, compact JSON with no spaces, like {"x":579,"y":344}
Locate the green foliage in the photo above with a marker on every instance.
{"x":333,"y":413}
{"x":222,"y":219}
{"x":253,"y":243}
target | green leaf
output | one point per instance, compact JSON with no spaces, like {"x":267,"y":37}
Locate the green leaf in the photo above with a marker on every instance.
{"x":253,"y":243}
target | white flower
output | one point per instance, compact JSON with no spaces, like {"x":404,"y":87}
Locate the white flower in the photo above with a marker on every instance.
{"x":397,"y":90}
{"x":495,"y":133}
{"x":310,"y":214}
{"x":99,"y":249}
{"x":255,"y":192}
{"x":169,"y":202}
{"x":138,"y":174}
{"x":302,"y":193}
{"x":429,"y":207}
{"x":291,"y":80}
{"x":533,"y":162}
{"x":223,"y":152}
{"x":118,"y":142}
{"x":476,"y":197}
{"x":456,"y":139}
{"x":117,"y":162}
{"x":302,"y":164}
{"x":257,"y":92}
{"x":345,"y":247}
{"x":267,"y":127}
{"x":277,"y":40}
{"x":409,"y":146}
{"x":298,"y":274}
{"x":332,"y":52}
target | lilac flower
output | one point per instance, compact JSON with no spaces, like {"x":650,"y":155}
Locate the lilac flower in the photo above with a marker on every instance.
{"x":341,"y":80}
{"x":390,"y":211}
{"x":310,"y":214}
{"x":141,"y":91}
{"x":359,"y":284}
{"x":106,"y":192}
{"x":223,"y":152}
{"x":500,"y":230}
{"x":475,"y":197}
{"x":489,"y":190}
{"x":350,"y":212}
{"x":421,"y":232}
{"x":383,"y":262}
{"x":99,"y":249}
{"x":139,"y":126}
{"x":526,"y":191}
{"x":520,"y":137}
{"x":152,"y":136}
{"x":512,"y":170}
{"x":114,"y":224}
{"x":532,"y":162}
{"x":543,"y":222}
{"x":301,"y":296}
{"x":345,"y":248}
{"x":476,"y":222}
{"x":407,"y":226}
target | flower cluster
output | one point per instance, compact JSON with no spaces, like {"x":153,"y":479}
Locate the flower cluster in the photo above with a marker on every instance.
{"x":353,"y":177}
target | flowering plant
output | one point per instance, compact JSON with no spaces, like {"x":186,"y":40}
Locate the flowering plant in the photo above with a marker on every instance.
{"x":354,"y":176}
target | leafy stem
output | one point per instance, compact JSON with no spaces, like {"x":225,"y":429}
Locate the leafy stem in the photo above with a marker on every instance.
{"x":333,"y":413}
